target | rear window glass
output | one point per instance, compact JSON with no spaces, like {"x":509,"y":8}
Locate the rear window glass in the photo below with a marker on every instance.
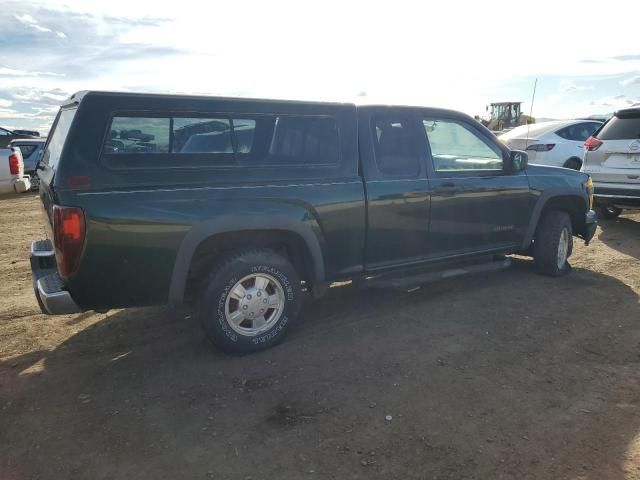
{"x":56,"y":140}
{"x":627,"y":128}
{"x":26,"y":150}
{"x":261,"y":140}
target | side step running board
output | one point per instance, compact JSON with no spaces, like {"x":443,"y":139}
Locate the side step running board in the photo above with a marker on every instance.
{"x":427,"y":277}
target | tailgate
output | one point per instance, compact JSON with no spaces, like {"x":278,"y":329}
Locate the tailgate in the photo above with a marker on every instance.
{"x":619,"y":162}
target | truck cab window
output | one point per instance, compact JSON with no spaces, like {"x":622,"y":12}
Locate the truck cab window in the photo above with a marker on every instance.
{"x":395,"y":148}
{"x":454,"y":147}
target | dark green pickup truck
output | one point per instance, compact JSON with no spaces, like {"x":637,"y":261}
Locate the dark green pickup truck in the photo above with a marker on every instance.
{"x":239,"y":206}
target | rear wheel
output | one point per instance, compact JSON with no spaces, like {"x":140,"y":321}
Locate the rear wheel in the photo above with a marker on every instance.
{"x":553,"y":244}
{"x":35,"y":182}
{"x":609,"y":211}
{"x":573,"y":163}
{"x":250,"y":300}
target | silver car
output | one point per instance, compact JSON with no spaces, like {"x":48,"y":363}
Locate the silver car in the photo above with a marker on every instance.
{"x":31,"y":149}
{"x":612,"y":158}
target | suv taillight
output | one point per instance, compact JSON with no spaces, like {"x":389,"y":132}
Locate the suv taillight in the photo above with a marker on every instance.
{"x":68,"y":237}
{"x":14,"y":164}
{"x":541,"y":147}
{"x":592,"y":144}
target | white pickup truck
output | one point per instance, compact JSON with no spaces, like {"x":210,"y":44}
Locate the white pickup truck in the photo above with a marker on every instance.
{"x":12,"y":177}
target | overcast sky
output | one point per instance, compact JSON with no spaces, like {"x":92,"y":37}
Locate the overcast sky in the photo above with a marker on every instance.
{"x":461,"y":55}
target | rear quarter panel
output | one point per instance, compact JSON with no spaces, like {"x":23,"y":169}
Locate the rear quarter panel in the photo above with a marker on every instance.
{"x":133,"y":238}
{"x":138,"y":219}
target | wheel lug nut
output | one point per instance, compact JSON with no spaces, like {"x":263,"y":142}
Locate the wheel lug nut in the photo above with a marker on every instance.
{"x":248,"y":297}
{"x":264,"y":301}
{"x":259,"y":294}
{"x":245,"y":307}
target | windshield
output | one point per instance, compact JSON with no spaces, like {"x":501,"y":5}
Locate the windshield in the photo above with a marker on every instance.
{"x":56,"y":141}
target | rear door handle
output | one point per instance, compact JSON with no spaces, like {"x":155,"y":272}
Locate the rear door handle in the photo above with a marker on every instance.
{"x":446,"y":188}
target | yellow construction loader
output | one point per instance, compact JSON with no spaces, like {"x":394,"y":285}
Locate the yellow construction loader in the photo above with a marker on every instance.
{"x":506,"y":115}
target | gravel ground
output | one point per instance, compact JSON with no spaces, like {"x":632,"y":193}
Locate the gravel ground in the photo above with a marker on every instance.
{"x":506,"y":375}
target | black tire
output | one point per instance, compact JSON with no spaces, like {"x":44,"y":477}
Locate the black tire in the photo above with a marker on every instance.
{"x":573,"y":164}
{"x":547,"y":242}
{"x":35,"y":182}
{"x":609,"y":211}
{"x":213,"y":305}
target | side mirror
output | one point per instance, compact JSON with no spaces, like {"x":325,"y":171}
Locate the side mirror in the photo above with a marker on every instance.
{"x":518,"y":161}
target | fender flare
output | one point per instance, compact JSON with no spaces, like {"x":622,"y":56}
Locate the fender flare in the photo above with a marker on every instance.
{"x":543,"y":200}
{"x":204,"y":230}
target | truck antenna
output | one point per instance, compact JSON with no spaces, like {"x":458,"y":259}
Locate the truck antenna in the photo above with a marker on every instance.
{"x":533,"y":97}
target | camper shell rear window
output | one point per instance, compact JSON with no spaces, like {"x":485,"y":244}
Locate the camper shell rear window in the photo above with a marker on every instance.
{"x":55,"y":143}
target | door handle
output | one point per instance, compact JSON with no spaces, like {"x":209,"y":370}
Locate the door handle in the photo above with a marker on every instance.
{"x":446,"y":188}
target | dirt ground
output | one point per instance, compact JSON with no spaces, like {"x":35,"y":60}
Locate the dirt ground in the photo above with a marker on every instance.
{"x":507,"y":375}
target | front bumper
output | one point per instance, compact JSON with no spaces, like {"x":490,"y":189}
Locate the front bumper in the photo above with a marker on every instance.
{"x":590,"y":225}
{"x":47,"y":284}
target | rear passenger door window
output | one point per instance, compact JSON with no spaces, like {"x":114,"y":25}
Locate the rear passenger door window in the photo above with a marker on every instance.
{"x":456,"y":148}
{"x":578,"y":132}
{"x":396,"y":147}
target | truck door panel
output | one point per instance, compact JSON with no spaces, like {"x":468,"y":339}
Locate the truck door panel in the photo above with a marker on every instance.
{"x":396,"y":188}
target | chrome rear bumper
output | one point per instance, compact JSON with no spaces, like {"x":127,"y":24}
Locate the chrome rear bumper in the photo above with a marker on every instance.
{"x":47,"y":284}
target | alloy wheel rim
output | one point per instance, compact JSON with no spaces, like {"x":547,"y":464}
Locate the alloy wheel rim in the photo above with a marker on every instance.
{"x":254,"y":304}
{"x":563,"y":248}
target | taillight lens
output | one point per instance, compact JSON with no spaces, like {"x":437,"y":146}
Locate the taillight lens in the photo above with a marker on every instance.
{"x":14,"y":164}
{"x":592,"y":144}
{"x":588,"y":185}
{"x":541,"y":147}
{"x":68,"y":237}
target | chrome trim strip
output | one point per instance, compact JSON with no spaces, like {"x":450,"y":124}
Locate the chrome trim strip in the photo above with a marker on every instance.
{"x":636,"y":197}
{"x":191,"y":189}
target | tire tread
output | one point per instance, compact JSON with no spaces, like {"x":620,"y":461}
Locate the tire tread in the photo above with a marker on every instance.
{"x":545,"y":246}
{"x":218,"y":277}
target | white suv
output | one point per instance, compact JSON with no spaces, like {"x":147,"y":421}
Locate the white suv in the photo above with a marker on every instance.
{"x":612,"y":158}
{"x":557,"y":143}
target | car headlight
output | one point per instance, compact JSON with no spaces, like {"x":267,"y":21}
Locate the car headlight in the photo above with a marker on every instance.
{"x":588,"y":186}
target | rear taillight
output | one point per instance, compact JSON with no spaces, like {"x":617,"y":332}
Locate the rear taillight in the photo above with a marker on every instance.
{"x":541,"y":147}
{"x":592,"y":144}
{"x":14,"y":164}
{"x":68,"y":237}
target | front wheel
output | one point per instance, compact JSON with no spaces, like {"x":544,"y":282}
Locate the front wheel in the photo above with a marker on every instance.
{"x":250,"y":301}
{"x":553,"y":244}
{"x":609,"y":211}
